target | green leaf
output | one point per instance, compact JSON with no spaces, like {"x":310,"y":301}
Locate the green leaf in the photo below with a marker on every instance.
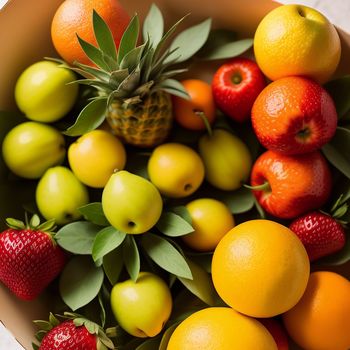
{"x":107,"y":240}
{"x":200,"y":285}
{"x":113,"y":265}
{"x":118,"y":76}
{"x":132,"y":58}
{"x":174,"y":87}
{"x":103,"y":310}
{"x":77,"y":237}
{"x":90,"y":118}
{"x":165,"y":37}
{"x":229,"y":50}
{"x":53,"y":320}
{"x":190,"y":41}
{"x":165,"y":255}
{"x":149,"y":344}
{"x":202,"y":259}
{"x":166,"y":336}
{"x":182,"y":211}
{"x":94,"y":54}
{"x":153,"y":26}
{"x":339,"y":89}
{"x":93,"y":212}
{"x":129,"y":38}
{"x":131,"y":257}
{"x":338,"y":258}
{"x":80,"y":282}
{"x":44,"y":325}
{"x":35,"y":346}
{"x":88,"y":72}
{"x":173,"y":225}
{"x":239,"y":201}
{"x":104,"y":36}
{"x":336,"y":151}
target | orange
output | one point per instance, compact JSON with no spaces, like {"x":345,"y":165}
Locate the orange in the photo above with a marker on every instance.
{"x":187,"y":112}
{"x":321,"y":319}
{"x":260,"y":268}
{"x":75,"y":17}
{"x":297,"y":40}
{"x":95,"y":156}
{"x":220,"y":328}
{"x":211,"y":220}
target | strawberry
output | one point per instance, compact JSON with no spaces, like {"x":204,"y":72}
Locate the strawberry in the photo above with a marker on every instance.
{"x":75,"y":333}
{"x":320,"y":233}
{"x":236,"y":85}
{"x":29,"y":257}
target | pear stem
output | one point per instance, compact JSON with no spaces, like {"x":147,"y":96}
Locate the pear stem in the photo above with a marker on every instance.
{"x":202,"y":115}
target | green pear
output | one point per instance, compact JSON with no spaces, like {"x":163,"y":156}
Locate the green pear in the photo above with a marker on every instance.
{"x":59,"y":194}
{"x":30,"y":148}
{"x":226,"y":158}
{"x":142,"y":307}
{"x":131,"y":203}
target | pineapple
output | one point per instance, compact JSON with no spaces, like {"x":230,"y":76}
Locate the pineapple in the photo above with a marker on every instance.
{"x":134,"y":83}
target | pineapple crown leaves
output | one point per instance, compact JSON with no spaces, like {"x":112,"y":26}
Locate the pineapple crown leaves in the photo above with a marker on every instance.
{"x":133,"y":71}
{"x":103,"y":341}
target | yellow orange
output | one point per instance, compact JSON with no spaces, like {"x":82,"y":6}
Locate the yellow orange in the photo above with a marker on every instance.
{"x":297,"y":40}
{"x":260,"y":268}
{"x":220,"y":328}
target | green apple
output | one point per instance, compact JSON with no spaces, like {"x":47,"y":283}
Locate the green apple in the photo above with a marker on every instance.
{"x":142,"y":307}
{"x":43,"y":92}
{"x":59,"y":194}
{"x":131,"y":203}
{"x":30,"y":148}
{"x":226,"y":158}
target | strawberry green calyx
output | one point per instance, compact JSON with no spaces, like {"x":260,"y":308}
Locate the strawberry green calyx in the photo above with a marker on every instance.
{"x":103,"y":341}
{"x":44,"y":327}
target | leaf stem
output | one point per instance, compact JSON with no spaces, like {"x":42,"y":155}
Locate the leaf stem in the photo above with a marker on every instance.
{"x":262,"y":187}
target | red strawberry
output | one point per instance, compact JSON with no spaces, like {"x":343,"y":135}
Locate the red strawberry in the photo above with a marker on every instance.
{"x":77,"y":333}
{"x":29,"y":257}
{"x":320,"y":233}
{"x":236,"y":85}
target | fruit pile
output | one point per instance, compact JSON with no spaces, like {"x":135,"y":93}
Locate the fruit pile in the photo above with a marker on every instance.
{"x":181,"y":214}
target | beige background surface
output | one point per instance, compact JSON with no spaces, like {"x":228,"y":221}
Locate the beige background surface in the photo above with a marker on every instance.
{"x":24,"y":34}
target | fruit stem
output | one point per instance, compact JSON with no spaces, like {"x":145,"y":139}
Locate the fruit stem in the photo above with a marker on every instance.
{"x":262,"y":187}
{"x":202,"y":115}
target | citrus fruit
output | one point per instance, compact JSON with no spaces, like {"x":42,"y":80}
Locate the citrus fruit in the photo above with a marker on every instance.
{"x":260,"y":268}
{"x":187,"y":112}
{"x":297,"y":40}
{"x":219,"y":328}
{"x":74,"y":17}
{"x":294,"y":115}
{"x":211,"y":220}
{"x":94,"y":157}
{"x":43,"y":92}
{"x":175,"y":169}
{"x":291,"y":185}
{"x":321,"y":319}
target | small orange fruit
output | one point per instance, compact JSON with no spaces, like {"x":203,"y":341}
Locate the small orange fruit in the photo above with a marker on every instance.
{"x":321,"y":319}
{"x":187,"y":112}
{"x":220,"y":328}
{"x":211,"y":220}
{"x":74,"y":17}
{"x":260,"y":268}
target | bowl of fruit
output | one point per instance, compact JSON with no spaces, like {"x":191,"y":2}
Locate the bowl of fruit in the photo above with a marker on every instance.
{"x":176,"y":180}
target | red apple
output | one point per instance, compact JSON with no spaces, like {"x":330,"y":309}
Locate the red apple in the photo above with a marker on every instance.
{"x":236,"y":85}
